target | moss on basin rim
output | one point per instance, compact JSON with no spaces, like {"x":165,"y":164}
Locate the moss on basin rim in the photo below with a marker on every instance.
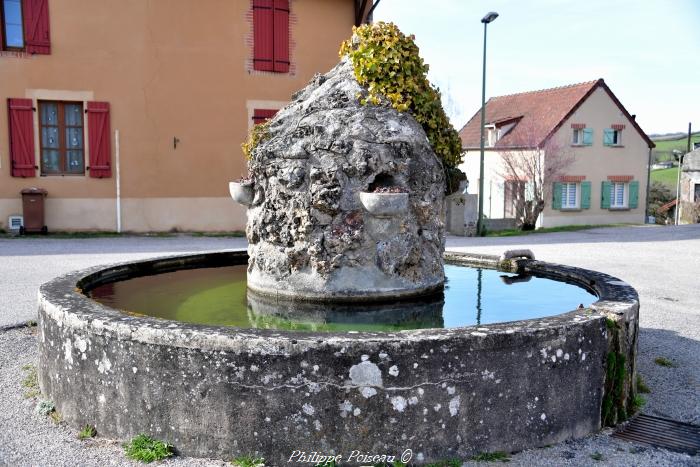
{"x":443,"y":393}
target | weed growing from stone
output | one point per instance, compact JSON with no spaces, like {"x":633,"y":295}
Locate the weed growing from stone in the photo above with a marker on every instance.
{"x":446,"y":463}
{"x":88,"y":431}
{"x":146,"y":449}
{"x":498,"y":456}
{"x":642,"y":386}
{"x":596,"y":456}
{"x":45,"y":408}
{"x":663,"y":361}
{"x":30,"y":382}
{"x":249,"y":461}
{"x":638,"y":402}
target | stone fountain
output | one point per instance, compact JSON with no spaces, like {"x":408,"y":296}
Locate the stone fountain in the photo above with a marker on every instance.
{"x":345,"y":200}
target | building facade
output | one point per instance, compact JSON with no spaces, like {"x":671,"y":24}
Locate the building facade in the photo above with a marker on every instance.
{"x":690,"y":188}
{"x":605,"y":178}
{"x":160,"y":92}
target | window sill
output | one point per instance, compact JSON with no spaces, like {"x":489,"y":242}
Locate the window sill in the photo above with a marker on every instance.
{"x":614,"y":146}
{"x":574,"y":145}
{"x":619,"y":209}
{"x":570,"y":209}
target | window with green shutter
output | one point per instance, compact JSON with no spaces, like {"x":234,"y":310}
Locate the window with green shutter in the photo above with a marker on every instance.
{"x":605,"y":195}
{"x":585,"y":195}
{"x":587,"y":136}
{"x":612,"y":137}
{"x":556,"y":196}
{"x":634,"y":194}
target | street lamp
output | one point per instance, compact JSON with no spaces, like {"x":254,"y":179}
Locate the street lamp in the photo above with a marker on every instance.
{"x":480,"y":221}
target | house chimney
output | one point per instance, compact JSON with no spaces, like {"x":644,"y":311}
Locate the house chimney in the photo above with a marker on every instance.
{"x":634,"y":117}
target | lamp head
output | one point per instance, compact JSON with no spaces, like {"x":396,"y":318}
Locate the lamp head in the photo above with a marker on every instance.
{"x":490,"y":16}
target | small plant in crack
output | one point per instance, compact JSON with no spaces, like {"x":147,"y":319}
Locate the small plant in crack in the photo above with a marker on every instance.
{"x":146,"y":449}
{"x":248,"y":461}
{"x":665,"y":362}
{"x":88,"y":431}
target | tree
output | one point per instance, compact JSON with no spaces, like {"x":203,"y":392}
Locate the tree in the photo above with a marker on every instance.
{"x":530,"y":167}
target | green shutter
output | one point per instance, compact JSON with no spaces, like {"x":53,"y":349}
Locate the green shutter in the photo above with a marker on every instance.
{"x":585,"y":195}
{"x":588,"y":136}
{"x":634,"y":194}
{"x":605,"y":198}
{"x":608,"y":137}
{"x":556,"y":196}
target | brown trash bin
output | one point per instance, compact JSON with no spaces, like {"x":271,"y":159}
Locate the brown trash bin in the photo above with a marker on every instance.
{"x":33,"y":211}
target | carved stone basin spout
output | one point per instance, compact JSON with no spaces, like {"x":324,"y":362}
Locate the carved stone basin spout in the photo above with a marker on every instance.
{"x":242,"y":192}
{"x":385,"y":204}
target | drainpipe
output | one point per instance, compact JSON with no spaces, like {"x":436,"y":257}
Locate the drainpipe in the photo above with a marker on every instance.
{"x":118,"y":182}
{"x":646,"y":211}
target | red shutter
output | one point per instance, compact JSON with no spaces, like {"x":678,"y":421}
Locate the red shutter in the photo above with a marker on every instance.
{"x":21,"y":137}
{"x":263,"y":26}
{"x":100,"y":143}
{"x":262,"y":115}
{"x":281,"y":36}
{"x":36,"y":26}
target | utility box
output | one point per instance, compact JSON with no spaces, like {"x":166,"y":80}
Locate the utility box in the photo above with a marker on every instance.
{"x":33,"y":211}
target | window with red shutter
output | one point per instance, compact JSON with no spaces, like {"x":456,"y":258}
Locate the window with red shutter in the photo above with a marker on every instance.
{"x":263,"y":115}
{"x":271,"y":35}
{"x":21,"y":119}
{"x":25,"y":26}
{"x":100,"y":142}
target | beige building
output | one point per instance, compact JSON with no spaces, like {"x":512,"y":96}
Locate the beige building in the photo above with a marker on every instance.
{"x":605,"y":180}
{"x":690,"y":188}
{"x":158,"y":92}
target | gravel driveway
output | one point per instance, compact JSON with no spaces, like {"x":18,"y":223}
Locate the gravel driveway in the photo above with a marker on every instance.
{"x":662,"y":263}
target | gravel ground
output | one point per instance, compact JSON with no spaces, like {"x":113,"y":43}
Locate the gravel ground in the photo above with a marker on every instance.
{"x":663,"y":263}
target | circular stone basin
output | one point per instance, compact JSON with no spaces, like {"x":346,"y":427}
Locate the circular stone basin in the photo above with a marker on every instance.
{"x":272,"y":377}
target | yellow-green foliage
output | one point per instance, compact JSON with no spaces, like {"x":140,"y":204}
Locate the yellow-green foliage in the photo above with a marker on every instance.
{"x":258,"y":133}
{"x":387,"y":63}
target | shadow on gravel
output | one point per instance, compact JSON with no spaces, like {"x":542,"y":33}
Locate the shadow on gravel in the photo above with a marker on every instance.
{"x":675,"y":389}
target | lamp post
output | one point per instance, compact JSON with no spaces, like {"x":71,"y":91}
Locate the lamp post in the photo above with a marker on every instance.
{"x":480,"y":220}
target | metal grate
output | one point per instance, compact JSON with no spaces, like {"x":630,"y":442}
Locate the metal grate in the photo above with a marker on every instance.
{"x":662,"y":433}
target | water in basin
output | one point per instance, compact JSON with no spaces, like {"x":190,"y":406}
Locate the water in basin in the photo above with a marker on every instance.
{"x":218,"y":296}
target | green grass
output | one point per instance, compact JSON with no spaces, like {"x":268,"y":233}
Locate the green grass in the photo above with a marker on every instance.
{"x":668,"y":177}
{"x":146,"y":449}
{"x":666,"y":147}
{"x":596,"y":456}
{"x":642,"y":386}
{"x":30,"y":382}
{"x":563,"y":228}
{"x":248,"y":461}
{"x":498,"y":456}
{"x":663,"y":361}
{"x":637,"y":403}
{"x":235,"y":233}
{"x":88,"y":431}
{"x":445,"y":463}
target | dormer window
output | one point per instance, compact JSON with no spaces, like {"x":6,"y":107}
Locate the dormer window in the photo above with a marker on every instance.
{"x":491,"y":136}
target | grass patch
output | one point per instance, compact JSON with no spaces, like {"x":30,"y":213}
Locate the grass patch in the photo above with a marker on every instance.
{"x":637,"y":403}
{"x":642,"y":386}
{"x":596,"y":456}
{"x":235,"y":233}
{"x":446,"y":463}
{"x":30,"y":382}
{"x":146,"y":449}
{"x":563,"y":228}
{"x":248,"y":461}
{"x":498,"y":456}
{"x":88,"y":431}
{"x":668,"y":177}
{"x":663,"y":361}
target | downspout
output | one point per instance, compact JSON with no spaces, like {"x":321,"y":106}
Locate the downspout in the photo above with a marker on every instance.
{"x":118,"y":182}
{"x":646,"y":210}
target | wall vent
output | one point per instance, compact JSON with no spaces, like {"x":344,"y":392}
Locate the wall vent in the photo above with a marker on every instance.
{"x":15,"y":222}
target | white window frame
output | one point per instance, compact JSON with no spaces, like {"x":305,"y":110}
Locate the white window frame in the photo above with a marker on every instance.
{"x":615,"y":187}
{"x":566,"y":188}
{"x":577,"y":137}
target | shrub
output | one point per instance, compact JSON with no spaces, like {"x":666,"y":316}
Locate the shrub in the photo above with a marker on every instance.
{"x":387,"y":63}
{"x":258,"y":133}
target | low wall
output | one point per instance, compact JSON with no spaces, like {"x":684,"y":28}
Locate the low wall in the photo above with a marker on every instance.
{"x":440,"y":393}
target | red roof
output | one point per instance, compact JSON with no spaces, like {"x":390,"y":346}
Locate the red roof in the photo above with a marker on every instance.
{"x":539,"y":114}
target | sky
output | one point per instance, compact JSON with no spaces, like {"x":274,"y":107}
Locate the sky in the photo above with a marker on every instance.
{"x":647,"y":51}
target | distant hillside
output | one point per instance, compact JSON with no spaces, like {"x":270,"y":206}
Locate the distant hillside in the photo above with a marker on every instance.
{"x":665,"y":144}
